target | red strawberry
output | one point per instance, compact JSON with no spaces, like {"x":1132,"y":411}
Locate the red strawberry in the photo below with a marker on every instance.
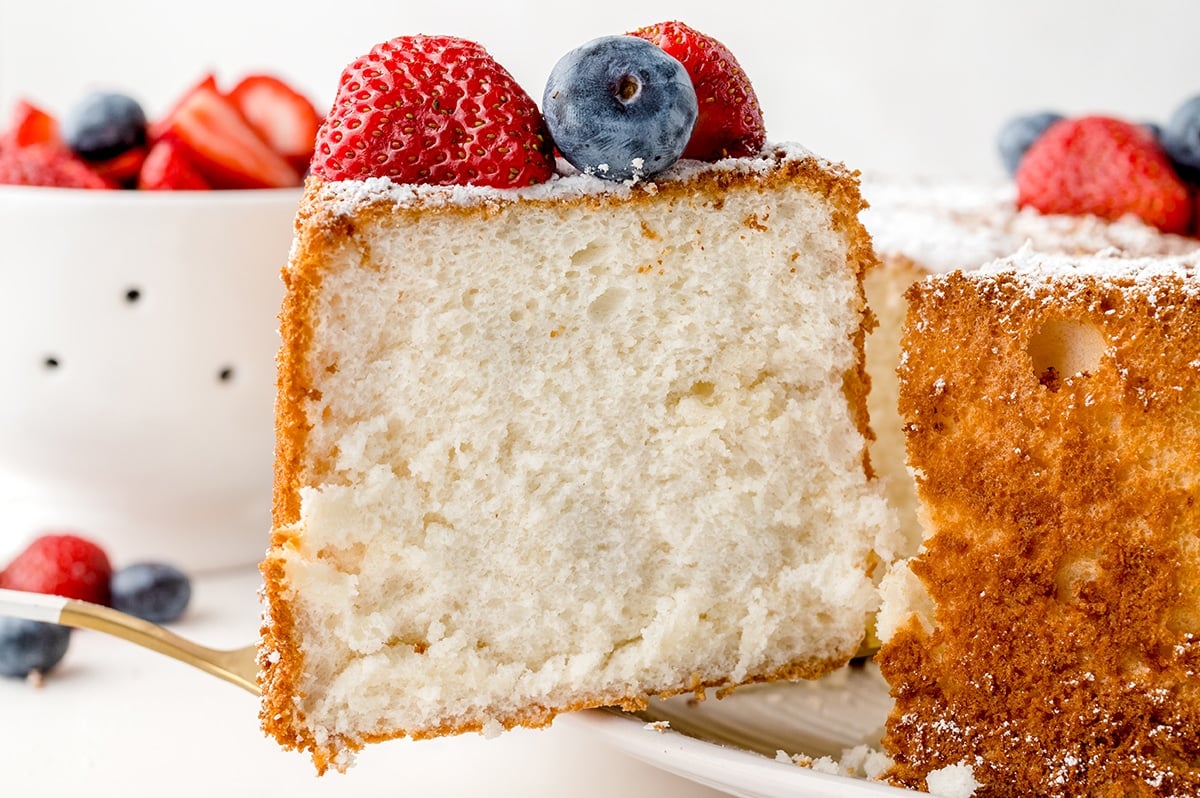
{"x":1106,"y":167}
{"x":435,"y":110}
{"x":32,"y":125}
{"x":158,"y":128}
{"x":123,"y":169}
{"x":166,"y":168}
{"x":62,"y":565}
{"x":222,"y":145}
{"x":46,"y":165}
{"x":730,"y":124}
{"x":282,"y":117}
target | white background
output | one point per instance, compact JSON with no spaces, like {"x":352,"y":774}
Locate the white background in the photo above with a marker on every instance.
{"x":906,"y":87}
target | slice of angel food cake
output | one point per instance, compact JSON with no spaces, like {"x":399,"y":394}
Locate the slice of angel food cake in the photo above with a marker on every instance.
{"x":558,"y":434}
{"x":1044,"y":636}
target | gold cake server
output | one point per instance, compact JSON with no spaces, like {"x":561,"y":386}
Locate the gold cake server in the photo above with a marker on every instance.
{"x":238,"y":666}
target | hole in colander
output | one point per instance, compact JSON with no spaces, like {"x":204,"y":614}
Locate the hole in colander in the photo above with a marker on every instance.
{"x":225,"y":374}
{"x":51,"y":362}
{"x":133,"y":294}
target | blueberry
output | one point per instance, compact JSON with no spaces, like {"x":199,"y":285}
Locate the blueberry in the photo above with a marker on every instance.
{"x":103,"y":125}
{"x":27,"y":646}
{"x":1018,"y":135}
{"x":1181,"y":138}
{"x":620,"y":108}
{"x":153,"y":591}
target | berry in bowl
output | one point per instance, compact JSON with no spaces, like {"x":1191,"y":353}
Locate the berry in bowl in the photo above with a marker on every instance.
{"x":141,"y":270}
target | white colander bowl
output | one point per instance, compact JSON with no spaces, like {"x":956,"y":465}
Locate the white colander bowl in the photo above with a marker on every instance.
{"x":137,"y":342}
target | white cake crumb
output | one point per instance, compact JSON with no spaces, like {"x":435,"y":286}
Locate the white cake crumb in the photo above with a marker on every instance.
{"x":865,"y":762}
{"x":861,"y":761}
{"x":492,"y":729}
{"x":660,"y":726}
{"x":273,"y":657}
{"x":952,"y":781}
{"x":343,"y":760}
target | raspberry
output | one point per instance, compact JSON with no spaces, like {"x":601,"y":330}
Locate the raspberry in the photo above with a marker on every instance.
{"x":1105,"y":167}
{"x":435,"y":110}
{"x":46,"y":165}
{"x":730,"y":124}
{"x":62,"y":565}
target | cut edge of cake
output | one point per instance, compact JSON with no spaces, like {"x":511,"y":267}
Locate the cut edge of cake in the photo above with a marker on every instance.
{"x":329,"y":216}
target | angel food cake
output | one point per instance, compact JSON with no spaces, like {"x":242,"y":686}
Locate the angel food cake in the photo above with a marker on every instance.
{"x":1045,"y":635}
{"x":571,"y":444}
{"x":921,"y":228}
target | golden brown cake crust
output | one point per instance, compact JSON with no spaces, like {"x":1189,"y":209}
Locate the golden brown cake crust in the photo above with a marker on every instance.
{"x":1064,"y":556}
{"x":320,"y":229}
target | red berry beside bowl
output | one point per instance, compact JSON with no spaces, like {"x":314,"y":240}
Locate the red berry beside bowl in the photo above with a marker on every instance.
{"x":62,"y":565}
{"x":74,"y":567}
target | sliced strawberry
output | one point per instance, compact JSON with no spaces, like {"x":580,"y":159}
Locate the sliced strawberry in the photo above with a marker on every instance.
{"x":167,"y":168}
{"x":123,"y":169}
{"x":32,"y":125}
{"x":223,"y":146}
{"x":282,"y":117}
{"x":157,"y":128}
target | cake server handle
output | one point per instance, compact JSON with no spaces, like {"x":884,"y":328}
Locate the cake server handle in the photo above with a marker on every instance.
{"x":238,"y":666}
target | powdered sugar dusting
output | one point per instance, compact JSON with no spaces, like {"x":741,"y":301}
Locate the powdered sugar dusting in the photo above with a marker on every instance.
{"x":1038,"y":268}
{"x":345,"y":197}
{"x":951,"y":225}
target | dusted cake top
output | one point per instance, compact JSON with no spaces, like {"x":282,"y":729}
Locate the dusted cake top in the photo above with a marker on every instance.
{"x":1032,"y":267}
{"x":345,"y":196}
{"x":958,"y":225}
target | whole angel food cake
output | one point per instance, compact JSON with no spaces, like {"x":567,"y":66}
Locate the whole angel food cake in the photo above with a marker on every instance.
{"x":556,"y":436}
{"x":1081,"y":186}
{"x":1045,"y":636}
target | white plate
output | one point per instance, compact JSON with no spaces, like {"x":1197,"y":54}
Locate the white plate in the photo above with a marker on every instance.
{"x":731,"y":744}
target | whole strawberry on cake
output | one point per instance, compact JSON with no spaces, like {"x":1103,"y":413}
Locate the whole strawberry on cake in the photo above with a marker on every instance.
{"x":557,"y":433}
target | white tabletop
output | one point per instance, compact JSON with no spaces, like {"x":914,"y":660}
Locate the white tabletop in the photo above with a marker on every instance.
{"x":115,"y":719}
